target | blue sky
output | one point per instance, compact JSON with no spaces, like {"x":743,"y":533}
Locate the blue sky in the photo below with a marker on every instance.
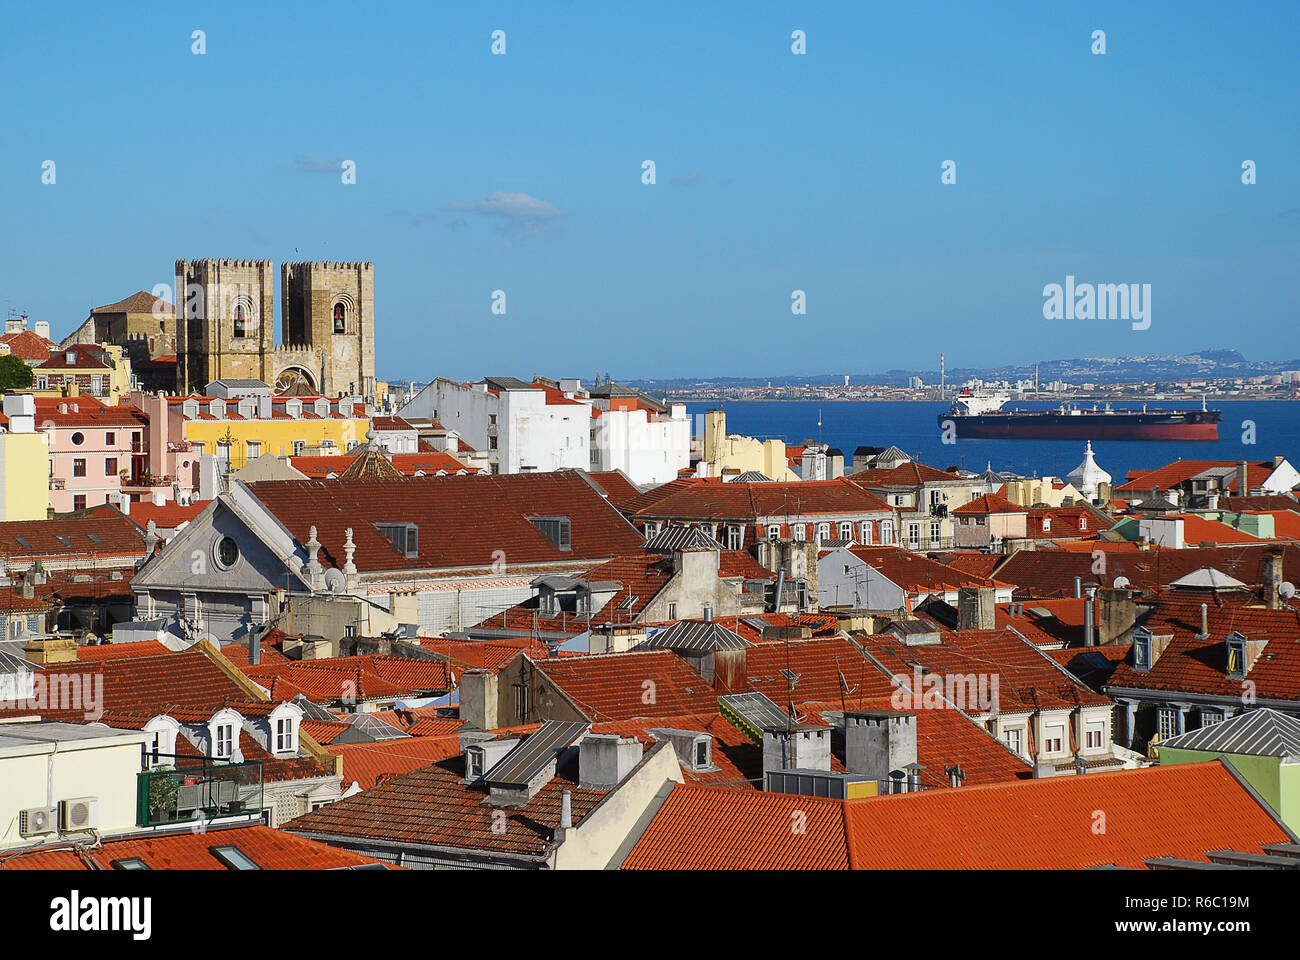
{"x":775,"y":172}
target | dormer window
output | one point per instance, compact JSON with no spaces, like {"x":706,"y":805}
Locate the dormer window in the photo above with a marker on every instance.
{"x":774,"y":531}
{"x":404,"y":536}
{"x":1083,"y":523}
{"x":1236,"y":643}
{"x":702,"y":752}
{"x":286,"y":735}
{"x":558,"y":530}
{"x":223,"y":741}
{"x":1047,"y":524}
{"x":1141,"y":650}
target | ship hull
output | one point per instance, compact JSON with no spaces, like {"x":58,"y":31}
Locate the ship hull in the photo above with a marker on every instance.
{"x":1193,"y":425}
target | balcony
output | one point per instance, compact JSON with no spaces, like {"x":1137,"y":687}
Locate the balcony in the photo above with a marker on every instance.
{"x":183,"y":446}
{"x":58,"y":483}
{"x":198,"y":789}
{"x":145,"y":481}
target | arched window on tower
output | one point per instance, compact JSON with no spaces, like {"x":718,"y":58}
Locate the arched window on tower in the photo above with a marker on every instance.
{"x":239,"y":321}
{"x":339,"y":318}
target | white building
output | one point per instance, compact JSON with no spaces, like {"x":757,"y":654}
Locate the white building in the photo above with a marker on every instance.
{"x":632,"y":432}
{"x":522,"y":427}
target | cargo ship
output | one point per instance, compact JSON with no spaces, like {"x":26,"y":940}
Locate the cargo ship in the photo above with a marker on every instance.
{"x":979,"y":416}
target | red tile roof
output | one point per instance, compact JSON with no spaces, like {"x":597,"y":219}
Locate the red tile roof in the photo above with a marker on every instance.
{"x":463,"y":521}
{"x":366,"y":764}
{"x":139,"y":302}
{"x":1045,"y":824}
{"x":1044,"y":574}
{"x":904,"y":475}
{"x":989,"y":503}
{"x":29,"y":346}
{"x":408,"y":464}
{"x":112,"y":651}
{"x":621,"y":686}
{"x":269,"y":849}
{"x":167,"y":515}
{"x":1199,"y":665}
{"x":1180,"y":471}
{"x":697,"y":498}
{"x":430,"y":806}
{"x":916,"y":573}
{"x":103,"y":537}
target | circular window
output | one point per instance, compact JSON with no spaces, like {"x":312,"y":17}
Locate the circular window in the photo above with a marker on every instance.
{"x":227,"y":552}
{"x":78,"y":439}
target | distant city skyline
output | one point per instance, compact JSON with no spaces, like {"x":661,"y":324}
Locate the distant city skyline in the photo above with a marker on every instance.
{"x":776,"y":172}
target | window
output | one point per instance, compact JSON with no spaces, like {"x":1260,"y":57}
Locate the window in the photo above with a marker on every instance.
{"x":297,"y":447}
{"x":78,"y":438}
{"x":79,"y":502}
{"x":1053,"y":738}
{"x":735,"y":537}
{"x":866,"y":532}
{"x":1047,"y":524}
{"x":227,"y":553}
{"x":1236,"y":644}
{"x":492,"y":419}
{"x":823,"y":532}
{"x":846,"y":530}
{"x":1094,"y":736}
{"x":110,"y":439}
{"x":1141,"y":650}
{"x":254,"y":449}
{"x":79,"y":467}
{"x":223,"y":451}
{"x":774,"y":531}
{"x":651,"y":529}
{"x":110,"y":466}
{"x":1210,"y":717}
{"x":521,"y":702}
{"x":1168,"y":722}
{"x":558,"y":530}
{"x":900,"y":500}
{"x":492,"y":443}
{"x":887,"y":532}
{"x":129,"y":863}
{"x":936,"y":533}
{"x":701,"y":753}
{"x":233,"y":858}
{"x":340,"y":318}
{"x":284,"y":735}
{"x":1014,"y":739}
{"x":404,"y":536}
{"x":223,"y":745}
{"x":798,"y":532}
{"x":672,"y":611}
{"x":914,"y":534}
{"x":1083,"y":523}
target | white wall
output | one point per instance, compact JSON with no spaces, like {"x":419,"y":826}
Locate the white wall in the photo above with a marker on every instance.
{"x":649,"y":451}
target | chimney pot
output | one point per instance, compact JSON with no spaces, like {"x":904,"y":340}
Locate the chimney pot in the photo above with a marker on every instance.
{"x":566,"y":810}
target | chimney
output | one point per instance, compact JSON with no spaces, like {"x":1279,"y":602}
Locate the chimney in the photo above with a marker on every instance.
{"x":1078,"y":587}
{"x":1088,"y":639}
{"x":914,"y":777}
{"x":708,"y":612}
{"x":1278,"y":461}
{"x":1243,"y":484}
{"x":1115,"y":616}
{"x":1272,"y":577}
{"x":478,"y":699}
{"x":566,"y":810}
{"x":604,"y":759}
{"x":254,"y":648}
{"x":975,"y":608}
{"x":1205,"y":620}
{"x":877,"y":743}
{"x":800,"y":747}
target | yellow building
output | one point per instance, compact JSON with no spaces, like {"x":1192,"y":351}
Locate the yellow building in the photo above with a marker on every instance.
{"x":103,"y":372}
{"x":1049,"y":492}
{"x":24,"y":462}
{"x":241,"y":430}
{"x":725,"y":452}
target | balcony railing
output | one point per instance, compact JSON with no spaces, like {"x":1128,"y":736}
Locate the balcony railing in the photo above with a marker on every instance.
{"x":191,"y":789}
{"x":58,"y":483}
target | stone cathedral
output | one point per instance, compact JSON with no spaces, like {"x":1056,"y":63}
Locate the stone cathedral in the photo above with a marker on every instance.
{"x":226,"y":326}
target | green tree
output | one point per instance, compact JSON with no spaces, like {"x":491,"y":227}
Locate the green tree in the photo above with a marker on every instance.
{"x":14,"y":373}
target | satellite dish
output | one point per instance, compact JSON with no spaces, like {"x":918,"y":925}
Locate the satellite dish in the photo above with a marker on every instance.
{"x":334,"y":580}
{"x":1121,"y":583}
{"x":1287,"y":590}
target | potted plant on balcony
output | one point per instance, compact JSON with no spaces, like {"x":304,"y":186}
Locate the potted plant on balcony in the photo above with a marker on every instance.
{"x":163,"y":794}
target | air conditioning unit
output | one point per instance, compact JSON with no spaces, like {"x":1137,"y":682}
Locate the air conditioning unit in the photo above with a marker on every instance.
{"x":79,"y":814}
{"x":37,"y":821}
